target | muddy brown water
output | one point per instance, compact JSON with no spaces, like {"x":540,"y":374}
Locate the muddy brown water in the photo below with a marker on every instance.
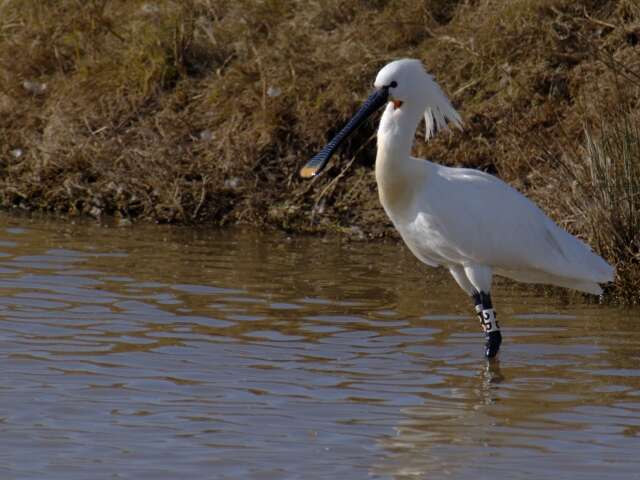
{"x":154,"y":352}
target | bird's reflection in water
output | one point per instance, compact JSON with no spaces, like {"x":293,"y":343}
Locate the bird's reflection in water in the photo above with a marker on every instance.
{"x":439,"y":436}
{"x":492,"y":375}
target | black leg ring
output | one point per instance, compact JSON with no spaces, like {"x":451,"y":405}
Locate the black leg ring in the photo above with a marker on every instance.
{"x":486,"y":314}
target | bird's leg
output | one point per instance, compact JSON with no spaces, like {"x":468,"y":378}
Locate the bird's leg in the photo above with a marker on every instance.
{"x":488,"y":322}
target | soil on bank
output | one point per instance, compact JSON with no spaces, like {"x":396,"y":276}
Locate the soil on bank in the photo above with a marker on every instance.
{"x":203,"y":111}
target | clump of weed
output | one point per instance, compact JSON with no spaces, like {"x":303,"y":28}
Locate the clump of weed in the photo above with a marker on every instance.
{"x":604,"y":203}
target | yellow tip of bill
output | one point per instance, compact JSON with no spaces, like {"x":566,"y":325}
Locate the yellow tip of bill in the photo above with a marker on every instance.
{"x":308,"y":172}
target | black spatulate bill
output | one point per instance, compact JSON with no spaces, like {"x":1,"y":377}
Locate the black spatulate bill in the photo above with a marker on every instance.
{"x":373,"y":103}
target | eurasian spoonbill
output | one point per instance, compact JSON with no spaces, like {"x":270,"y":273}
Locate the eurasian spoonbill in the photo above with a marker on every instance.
{"x":465,"y":220}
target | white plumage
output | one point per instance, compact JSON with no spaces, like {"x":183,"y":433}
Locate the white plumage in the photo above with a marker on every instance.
{"x":468,"y":221}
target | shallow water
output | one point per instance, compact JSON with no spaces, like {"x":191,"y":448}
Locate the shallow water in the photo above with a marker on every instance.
{"x":153,"y":352}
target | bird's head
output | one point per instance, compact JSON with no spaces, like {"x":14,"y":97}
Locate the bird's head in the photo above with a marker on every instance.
{"x":409,"y":85}
{"x":402,"y":79}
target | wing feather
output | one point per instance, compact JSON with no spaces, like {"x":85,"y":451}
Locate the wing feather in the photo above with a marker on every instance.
{"x":486,"y":221}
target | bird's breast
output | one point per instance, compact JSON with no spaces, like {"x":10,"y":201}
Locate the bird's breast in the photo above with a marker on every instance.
{"x":396,"y":197}
{"x":399,"y":183}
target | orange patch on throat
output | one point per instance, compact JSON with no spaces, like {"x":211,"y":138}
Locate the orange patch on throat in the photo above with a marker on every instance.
{"x":396,"y":104}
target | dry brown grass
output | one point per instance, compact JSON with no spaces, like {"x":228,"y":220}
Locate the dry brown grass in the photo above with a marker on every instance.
{"x":165,"y":110}
{"x":603,"y":201}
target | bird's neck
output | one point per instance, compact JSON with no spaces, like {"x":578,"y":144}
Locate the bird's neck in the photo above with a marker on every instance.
{"x":397,"y":129}
{"x":396,"y":171}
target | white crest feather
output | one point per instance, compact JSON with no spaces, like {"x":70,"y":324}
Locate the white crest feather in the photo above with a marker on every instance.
{"x":439,"y":110}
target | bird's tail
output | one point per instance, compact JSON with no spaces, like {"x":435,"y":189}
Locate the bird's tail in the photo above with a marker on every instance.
{"x":583,"y":263}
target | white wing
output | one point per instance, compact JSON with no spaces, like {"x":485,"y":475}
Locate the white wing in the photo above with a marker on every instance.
{"x":485,"y":221}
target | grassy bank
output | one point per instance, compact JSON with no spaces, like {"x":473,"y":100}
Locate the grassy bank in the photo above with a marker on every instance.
{"x":202,"y":111}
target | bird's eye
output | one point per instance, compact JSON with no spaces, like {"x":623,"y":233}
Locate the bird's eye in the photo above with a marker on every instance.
{"x":393,"y":84}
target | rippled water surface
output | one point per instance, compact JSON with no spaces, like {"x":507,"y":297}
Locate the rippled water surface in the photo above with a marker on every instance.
{"x":163,"y":352}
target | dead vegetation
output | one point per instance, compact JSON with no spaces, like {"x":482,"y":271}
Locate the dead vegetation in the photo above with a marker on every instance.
{"x":203,"y":110}
{"x":603,"y":202}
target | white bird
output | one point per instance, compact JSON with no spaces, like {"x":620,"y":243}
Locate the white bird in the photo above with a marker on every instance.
{"x":465,"y":220}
